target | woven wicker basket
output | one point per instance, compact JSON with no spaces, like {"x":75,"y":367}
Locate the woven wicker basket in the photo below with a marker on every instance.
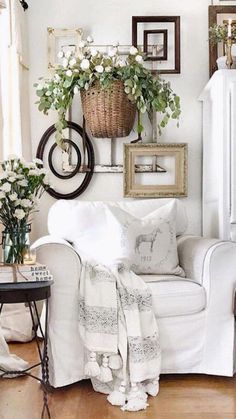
{"x":108,"y":113}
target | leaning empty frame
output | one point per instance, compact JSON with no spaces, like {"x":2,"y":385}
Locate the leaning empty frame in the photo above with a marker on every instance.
{"x":171,"y":183}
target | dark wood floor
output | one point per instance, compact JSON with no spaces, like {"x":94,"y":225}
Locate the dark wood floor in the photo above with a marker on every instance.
{"x":180,"y":397}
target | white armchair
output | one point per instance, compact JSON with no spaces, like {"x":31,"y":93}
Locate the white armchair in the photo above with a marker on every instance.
{"x":194,"y":314}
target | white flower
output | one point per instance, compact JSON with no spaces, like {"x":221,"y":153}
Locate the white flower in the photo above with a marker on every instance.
{"x":57,"y":78}
{"x":80,"y":56}
{"x":133,"y":50}
{"x":38,"y":161}
{"x":11,"y":179}
{"x":139,"y":58}
{"x":99,"y":68}
{"x":17,"y":202}
{"x":60,"y":54}
{"x":82,"y":44}
{"x":72,"y":62}
{"x":48,"y":93}
{"x":112,"y":52}
{"x":25,"y":203}
{"x":13,"y":197}
{"x":69,"y":73}
{"x":30,"y":165}
{"x":76,"y":90}
{"x":85,"y":64}
{"x":19,"y":213}
{"x":33,"y":172}
{"x":64,"y":62}
{"x":93,"y":52}
{"x":121,"y":63}
{"x":42,"y":171}
{"x":2,"y":195}
{"x":40,"y":87}
{"x":6,"y":187}
{"x":108,"y":69}
{"x":46,"y":180}
{"x":89,"y":39}
{"x":68,"y":54}
{"x":23,"y":183}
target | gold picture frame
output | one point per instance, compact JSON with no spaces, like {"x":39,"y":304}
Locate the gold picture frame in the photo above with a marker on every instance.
{"x":178,"y":171}
{"x":59,"y":39}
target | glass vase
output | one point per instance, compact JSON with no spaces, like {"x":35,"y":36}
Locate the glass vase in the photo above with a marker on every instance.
{"x":15,"y":243}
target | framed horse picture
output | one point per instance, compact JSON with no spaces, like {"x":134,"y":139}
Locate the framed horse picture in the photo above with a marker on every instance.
{"x":170,"y":182}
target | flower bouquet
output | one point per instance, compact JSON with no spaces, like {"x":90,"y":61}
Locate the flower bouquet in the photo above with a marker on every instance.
{"x":21,"y":184}
{"x":92,"y":68}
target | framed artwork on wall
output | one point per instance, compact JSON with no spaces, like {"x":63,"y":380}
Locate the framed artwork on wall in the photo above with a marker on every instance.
{"x":62,"y":40}
{"x":159,"y":38}
{"x":219,"y":15}
{"x":172,"y":182}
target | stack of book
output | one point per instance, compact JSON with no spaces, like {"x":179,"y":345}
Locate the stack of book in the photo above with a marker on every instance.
{"x":24,"y":273}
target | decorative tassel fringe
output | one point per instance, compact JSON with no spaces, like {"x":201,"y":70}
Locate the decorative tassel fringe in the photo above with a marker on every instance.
{"x":105,"y":373}
{"x":118,"y":397}
{"x":136,"y":399}
{"x":115,"y":362}
{"x":91,"y":368}
{"x":135,"y":405}
{"x":152,"y":388}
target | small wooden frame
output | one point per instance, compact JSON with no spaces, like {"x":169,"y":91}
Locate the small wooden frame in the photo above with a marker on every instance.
{"x":59,"y":39}
{"x":164,"y":32}
{"x":175,"y":189}
{"x":137,"y":20}
{"x":214,"y":11}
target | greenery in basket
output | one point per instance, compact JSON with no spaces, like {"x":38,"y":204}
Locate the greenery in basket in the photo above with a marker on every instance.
{"x":21,"y":184}
{"x":219,"y":33}
{"x":149,"y":92}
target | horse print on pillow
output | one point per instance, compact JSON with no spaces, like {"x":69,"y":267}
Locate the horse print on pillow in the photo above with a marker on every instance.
{"x":146,"y":238}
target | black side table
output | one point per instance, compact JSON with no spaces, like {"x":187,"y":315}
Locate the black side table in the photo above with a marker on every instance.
{"x":30,"y":292}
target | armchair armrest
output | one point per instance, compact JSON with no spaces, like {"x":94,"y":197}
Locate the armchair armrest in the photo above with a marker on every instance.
{"x":192,"y":251}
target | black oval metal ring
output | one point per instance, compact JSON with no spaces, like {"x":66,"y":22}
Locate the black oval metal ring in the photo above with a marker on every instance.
{"x":77,"y":167}
{"x":91,"y":160}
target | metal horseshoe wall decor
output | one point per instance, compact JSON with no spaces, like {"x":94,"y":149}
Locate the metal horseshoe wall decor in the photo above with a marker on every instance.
{"x":84,"y":163}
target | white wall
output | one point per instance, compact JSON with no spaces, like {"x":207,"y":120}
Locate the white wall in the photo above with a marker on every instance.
{"x":108,"y":21}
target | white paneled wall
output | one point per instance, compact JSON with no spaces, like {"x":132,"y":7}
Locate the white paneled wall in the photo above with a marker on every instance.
{"x":109,"y":21}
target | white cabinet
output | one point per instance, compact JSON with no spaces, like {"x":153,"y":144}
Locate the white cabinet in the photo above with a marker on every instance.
{"x":219,"y":156}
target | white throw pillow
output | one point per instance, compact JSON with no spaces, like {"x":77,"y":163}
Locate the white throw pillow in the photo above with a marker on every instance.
{"x":148,"y":245}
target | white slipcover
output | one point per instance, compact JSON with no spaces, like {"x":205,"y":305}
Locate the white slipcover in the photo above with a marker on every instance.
{"x":194,"y":314}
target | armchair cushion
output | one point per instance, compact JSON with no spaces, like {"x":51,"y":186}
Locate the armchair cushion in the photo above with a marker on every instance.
{"x":175,"y":296}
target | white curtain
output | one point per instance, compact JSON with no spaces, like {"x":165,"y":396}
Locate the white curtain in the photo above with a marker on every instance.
{"x":14,"y":81}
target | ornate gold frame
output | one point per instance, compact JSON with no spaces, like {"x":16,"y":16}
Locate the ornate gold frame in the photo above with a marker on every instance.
{"x":177,"y":189}
{"x":54,"y":33}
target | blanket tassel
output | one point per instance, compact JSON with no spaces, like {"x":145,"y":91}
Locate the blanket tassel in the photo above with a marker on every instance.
{"x":136,"y":399}
{"x":152,"y":388}
{"x":105,"y":372}
{"x":91,"y":368}
{"x":115,"y":362}
{"x":118,"y":397}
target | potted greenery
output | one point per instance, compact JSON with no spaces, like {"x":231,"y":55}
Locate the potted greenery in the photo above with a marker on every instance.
{"x":218,"y":34}
{"x":111,"y":90}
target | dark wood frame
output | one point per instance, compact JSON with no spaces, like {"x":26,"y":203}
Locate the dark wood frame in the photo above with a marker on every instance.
{"x":163,"y":57}
{"x":212,"y":19}
{"x":154,"y":19}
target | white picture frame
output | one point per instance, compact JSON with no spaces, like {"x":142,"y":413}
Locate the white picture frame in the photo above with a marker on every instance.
{"x":62,"y":40}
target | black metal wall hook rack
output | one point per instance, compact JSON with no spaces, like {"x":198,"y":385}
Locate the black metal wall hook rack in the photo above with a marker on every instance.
{"x":24,"y":4}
